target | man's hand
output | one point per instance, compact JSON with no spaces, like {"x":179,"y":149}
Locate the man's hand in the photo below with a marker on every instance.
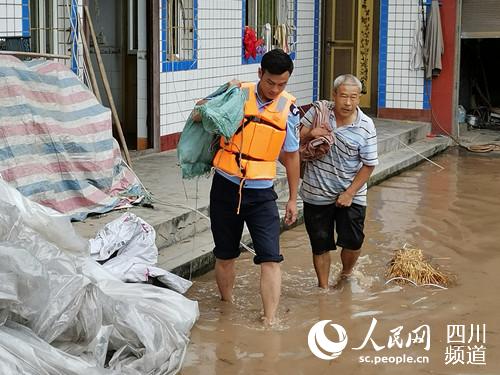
{"x":307,"y":134}
{"x":234,"y":82}
{"x":291,"y":212}
{"x":291,"y":161}
{"x":195,"y":115}
{"x":319,"y":132}
{"x":344,"y":199}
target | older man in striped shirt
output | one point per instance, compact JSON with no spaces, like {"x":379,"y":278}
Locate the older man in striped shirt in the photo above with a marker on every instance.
{"x":334,"y":186}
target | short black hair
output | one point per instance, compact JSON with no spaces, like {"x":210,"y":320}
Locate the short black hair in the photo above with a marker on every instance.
{"x":277,"y":62}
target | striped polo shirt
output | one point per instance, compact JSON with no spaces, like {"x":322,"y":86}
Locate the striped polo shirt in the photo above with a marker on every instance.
{"x":355,"y":145}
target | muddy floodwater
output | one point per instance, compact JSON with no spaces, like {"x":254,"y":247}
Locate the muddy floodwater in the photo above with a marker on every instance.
{"x":452,"y":214}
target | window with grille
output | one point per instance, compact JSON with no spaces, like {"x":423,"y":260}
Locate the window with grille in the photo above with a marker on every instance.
{"x":40,"y":18}
{"x":41,"y":26}
{"x":14,"y":25}
{"x":179,"y":25}
{"x":274,"y":22}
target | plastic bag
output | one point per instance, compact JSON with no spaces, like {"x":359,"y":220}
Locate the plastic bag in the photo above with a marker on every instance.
{"x":52,"y":225}
{"x":133,"y":241}
{"x":127,"y":235}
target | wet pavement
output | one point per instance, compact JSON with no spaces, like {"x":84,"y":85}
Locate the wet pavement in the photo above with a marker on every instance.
{"x":451,"y":214}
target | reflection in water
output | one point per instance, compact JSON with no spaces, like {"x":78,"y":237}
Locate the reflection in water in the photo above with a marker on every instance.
{"x":451,"y":214}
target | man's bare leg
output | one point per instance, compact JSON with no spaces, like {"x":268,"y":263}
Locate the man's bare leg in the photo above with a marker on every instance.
{"x":225,"y":275}
{"x":322,"y":266}
{"x":349,"y":258}
{"x":270,"y":289}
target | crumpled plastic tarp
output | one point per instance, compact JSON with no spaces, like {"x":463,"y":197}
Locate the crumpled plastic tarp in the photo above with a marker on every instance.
{"x":63,"y":313}
{"x":221,"y":115}
{"x":132,"y":241}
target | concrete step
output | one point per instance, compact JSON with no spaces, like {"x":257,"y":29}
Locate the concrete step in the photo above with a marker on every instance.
{"x":395,"y":162}
{"x":193,"y":256}
{"x":394,"y":135}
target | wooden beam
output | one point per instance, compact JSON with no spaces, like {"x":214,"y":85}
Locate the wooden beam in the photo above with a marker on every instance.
{"x":35,"y":54}
{"x":90,"y":67}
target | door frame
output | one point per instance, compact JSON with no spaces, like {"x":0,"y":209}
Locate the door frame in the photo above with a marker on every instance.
{"x":374,"y":52}
{"x":153,"y":53}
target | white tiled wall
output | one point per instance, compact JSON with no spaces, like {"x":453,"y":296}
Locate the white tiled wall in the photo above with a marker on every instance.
{"x":142,"y":74}
{"x":405,"y":87}
{"x":219,"y":60}
{"x":301,"y":82}
{"x":11,"y":22}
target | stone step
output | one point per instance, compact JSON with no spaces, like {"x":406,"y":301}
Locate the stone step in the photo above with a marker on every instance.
{"x":193,"y":256}
{"x":394,"y":135}
{"x":395,"y":162}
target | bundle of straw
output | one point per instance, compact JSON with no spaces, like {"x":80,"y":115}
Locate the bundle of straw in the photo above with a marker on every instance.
{"x":409,"y":265}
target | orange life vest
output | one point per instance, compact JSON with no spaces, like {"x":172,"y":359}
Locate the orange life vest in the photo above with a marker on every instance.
{"x":251,"y":153}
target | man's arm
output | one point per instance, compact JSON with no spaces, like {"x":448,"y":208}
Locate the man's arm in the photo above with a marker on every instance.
{"x":291,"y":161}
{"x":307,"y":134}
{"x":345,"y":198}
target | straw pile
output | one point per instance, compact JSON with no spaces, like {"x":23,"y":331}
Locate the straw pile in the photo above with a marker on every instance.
{"x":409,"y":265}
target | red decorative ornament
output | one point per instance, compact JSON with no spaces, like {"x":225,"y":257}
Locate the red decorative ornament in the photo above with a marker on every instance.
{"x":250,"y":42}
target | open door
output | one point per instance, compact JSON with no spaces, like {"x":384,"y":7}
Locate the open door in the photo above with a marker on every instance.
{"x":135,"y":77}
{"x":122,"y":29}
{"x":349,"y":46}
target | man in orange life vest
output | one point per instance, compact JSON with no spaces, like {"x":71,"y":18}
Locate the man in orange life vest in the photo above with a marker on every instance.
{"x":242,"y":187}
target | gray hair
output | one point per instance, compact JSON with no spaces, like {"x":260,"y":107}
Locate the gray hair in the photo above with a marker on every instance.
{"x":347,"y":79}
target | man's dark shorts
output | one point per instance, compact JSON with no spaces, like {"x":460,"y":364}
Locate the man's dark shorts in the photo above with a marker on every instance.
{"x":322,"y":221}
{"x":258,"y":210}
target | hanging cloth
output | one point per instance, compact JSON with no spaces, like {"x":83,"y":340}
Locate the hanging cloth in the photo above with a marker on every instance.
{"x":282,"y":11}
{"x":266,"y":35}
{"x":281,"y":36}
{"x":281,"y":33}
{"x":434,"y":44}
{"x":417,"y":47}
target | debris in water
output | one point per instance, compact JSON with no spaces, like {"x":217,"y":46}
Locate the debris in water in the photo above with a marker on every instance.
{"x":410,"y":265}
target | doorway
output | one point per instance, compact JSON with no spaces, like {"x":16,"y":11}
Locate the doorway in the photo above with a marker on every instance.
{"x":350,"y":45}
{"x":122,"y":34}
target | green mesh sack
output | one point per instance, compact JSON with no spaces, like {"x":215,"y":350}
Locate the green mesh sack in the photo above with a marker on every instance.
{"x":221,"y":115}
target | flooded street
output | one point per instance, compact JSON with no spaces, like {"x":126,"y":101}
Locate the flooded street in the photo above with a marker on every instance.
{"x":451,"y":214}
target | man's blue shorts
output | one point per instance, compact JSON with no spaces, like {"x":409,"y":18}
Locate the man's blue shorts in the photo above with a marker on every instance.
{"x":258,"y":210}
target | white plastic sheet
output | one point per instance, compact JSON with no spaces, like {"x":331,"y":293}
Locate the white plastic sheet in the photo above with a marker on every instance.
{"x":22,"y":352}
{"x":52,"y":225}
{"x":133,"y":241}
{"x":61,"y":313}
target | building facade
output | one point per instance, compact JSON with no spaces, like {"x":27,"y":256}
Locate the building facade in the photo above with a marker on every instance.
{"x":161,"y":56}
